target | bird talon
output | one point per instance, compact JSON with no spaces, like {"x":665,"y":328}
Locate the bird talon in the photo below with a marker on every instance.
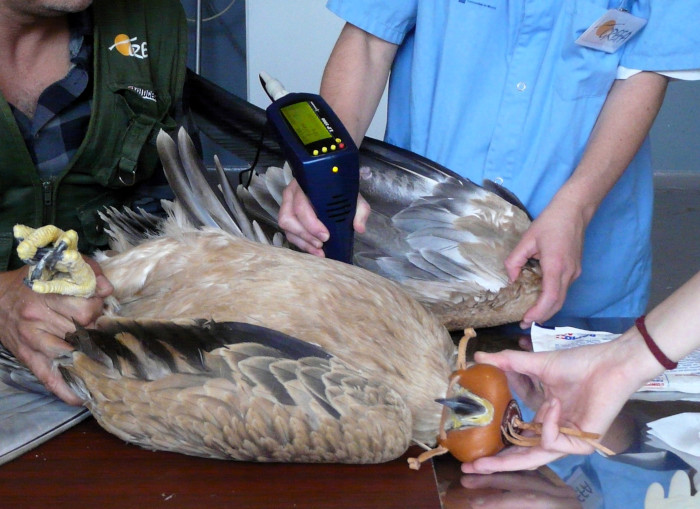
{"x":56,"y":266}
{"x":46,"y":259}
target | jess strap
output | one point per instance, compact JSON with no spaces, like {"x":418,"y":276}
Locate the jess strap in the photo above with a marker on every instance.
{"x":653,"y":347}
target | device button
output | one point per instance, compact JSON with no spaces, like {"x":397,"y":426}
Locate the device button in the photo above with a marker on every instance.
{"x":324,"y":149}
{"x":335,"y":169}
{"x":332,"y":147}
{"x":315,"y":152}
{"x":341,"y":145}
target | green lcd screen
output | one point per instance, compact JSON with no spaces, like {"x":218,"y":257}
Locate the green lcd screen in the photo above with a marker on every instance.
{"x":305,"y":122}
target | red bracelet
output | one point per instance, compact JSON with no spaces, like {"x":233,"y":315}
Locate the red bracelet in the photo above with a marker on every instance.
{"x":653,"y":347}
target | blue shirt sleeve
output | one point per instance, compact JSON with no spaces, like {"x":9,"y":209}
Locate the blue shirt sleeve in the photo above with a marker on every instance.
{"x":670,"y":41}
{"x":390,"y":20}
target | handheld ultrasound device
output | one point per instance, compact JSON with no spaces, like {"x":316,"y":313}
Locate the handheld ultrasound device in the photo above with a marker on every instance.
{"x":324,"y":160}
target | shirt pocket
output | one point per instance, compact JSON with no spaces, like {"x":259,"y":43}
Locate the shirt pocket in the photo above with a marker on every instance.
{"x":582,"y":72}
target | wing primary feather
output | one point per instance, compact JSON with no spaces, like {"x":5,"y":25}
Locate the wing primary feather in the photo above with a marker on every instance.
{"x":201,"y":188}
{"x":232,"y":202}
{"x":174,"y":173}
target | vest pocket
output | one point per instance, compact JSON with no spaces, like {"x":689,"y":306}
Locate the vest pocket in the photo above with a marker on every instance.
{"x":146,"y":111}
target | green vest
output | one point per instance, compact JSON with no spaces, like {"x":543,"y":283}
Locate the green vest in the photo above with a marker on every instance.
{"x":140,"y":52}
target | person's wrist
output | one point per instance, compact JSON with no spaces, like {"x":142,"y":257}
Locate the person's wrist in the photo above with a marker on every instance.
{"x":653,"y":347}
{"x":634,"y":359}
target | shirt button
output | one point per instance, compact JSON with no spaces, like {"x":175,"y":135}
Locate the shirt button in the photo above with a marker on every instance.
{"x":521,"y":86}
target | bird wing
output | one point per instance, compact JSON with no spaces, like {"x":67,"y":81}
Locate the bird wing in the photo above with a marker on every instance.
{"x":232,"y":390}
{"x":442,"y":237}
{"x":456,"y":270}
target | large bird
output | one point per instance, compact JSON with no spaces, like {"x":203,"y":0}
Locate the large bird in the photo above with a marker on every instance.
{"x":442,"y":237}
{"x":218,"y":345}
{"x":226,"y":347}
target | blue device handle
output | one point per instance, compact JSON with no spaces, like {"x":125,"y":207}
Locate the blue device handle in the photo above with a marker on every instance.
{"x":327,"y":170}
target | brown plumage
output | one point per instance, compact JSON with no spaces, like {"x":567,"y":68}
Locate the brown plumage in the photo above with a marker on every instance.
{"x":216,"y":345}
{"x":220,"y":346}
{"x":233,"y":391}
{"x":363,"y":319}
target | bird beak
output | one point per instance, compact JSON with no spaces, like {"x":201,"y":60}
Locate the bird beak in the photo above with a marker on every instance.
{"x":466,"y":410}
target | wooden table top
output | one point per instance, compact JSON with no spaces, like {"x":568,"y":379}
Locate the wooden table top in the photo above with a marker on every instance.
{"x":88,"y":467}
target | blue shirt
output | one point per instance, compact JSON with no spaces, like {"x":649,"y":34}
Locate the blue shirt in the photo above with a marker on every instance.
{"x":56,"y":131}
{"x":497,"y":89}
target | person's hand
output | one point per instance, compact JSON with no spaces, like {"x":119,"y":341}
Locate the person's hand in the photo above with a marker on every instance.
{"x":35,"y":325}
{"x":300,"y":224}
{"x":583,"y":388}
{"x":555,"y":238}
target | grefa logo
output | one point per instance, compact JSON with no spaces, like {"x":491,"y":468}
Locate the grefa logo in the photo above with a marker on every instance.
{"x":130,"y":47}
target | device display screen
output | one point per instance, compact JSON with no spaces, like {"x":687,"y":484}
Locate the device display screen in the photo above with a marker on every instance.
{"x":305,"y":123}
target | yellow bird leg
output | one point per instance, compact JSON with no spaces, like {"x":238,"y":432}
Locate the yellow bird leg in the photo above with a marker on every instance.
{"x":70,"y":274}
{"x":32,"y":239}
{"x":75,"y":277}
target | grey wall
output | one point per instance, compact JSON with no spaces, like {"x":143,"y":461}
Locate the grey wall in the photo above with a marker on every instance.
{"x":675,"y":135}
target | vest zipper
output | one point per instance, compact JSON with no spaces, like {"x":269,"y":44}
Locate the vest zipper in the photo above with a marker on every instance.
{"x":47,"y":186}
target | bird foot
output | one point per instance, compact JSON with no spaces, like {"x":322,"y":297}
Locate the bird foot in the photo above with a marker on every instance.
{"x":56,"y":265}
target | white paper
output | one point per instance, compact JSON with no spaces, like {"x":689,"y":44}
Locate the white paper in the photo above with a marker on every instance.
{"x":29,"y":414}
{"x":685,"y":378}
{"x":680,"y":431}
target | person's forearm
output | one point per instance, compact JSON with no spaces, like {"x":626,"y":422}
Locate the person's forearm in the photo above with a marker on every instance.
{"x":674,"y":325}
{"x":624,"y":122}
{"x":355,"y":77}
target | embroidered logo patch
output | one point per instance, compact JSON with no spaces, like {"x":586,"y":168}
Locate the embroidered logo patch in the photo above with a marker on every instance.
{"x":130,"y":47}
{"x":149,"y":95}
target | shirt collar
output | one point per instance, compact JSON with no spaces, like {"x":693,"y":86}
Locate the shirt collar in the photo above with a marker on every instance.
{"x":80,"y":45}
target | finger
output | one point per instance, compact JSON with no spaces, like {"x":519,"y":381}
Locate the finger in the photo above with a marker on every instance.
{"x":527,"y":363}
{"x":296,"y":234}
{"x":309,"y":221}
{"x":511,"y":459}
{"x":56,"y":384}
{"x":552,"y":438}
{"x":103,"y":287}
{"x":34,"y":340}
{"x":363,"y":211}
{"x":66,"y":311}
{"x":549,"y":301}
{"x":298,"y":217}
{"x":42,"y":367}
{"x":305,"y":246}
{"x":518,"y":258}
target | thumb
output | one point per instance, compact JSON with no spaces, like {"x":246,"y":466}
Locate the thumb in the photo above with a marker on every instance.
{"x":361,"y":215}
